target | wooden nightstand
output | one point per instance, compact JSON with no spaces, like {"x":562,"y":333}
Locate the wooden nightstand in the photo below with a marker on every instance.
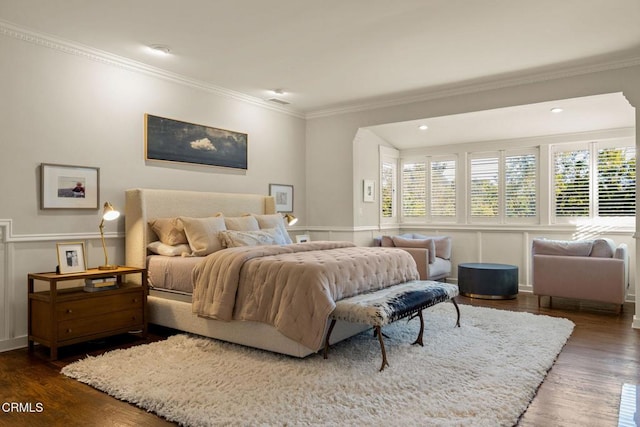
{"x":59,"y":317}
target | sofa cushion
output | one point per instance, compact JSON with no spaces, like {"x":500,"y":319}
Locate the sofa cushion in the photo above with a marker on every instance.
{"x":603,"y":248}
{"x":562,"y":247}
{"x":429,"y":244}
{"x":443,"y":245}
{"x":386,"y":241}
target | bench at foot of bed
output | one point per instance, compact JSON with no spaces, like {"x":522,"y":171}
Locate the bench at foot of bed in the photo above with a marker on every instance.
{"x":387,"y":305}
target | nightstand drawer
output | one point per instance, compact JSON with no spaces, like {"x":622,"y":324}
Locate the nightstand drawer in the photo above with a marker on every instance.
{"x":98,"y":324}
{"x":87,"y":307}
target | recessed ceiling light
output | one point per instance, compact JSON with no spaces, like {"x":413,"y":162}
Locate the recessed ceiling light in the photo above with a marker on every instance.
{"x":423,"y":127}
{"x":160,"y":49}
{"x":557,"y":110}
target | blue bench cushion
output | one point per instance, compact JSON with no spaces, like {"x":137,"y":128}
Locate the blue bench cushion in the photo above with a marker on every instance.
{"x":384,"y":306}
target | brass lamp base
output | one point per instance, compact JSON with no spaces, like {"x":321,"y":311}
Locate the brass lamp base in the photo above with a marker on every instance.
{"x":107,"y":267}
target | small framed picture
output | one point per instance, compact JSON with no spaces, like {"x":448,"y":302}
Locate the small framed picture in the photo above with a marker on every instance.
{"x":284,"y":197}
{"x":302,"y":238}
{"x":69,"y":187}
{"x":369,"y":191}
{"x":71,"y":258}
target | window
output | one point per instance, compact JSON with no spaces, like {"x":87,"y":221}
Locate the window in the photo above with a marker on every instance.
{"x":484,"y":187}
{"x":594,"y":180}
{"x":429,"y":189}
{"x":572,"y":185}
{"x":617,"y":182}
{"x":388,"y":182}
{"x":520,"y":186}
{"x":503,"y":186}
{"x":414,"y":189}
{"x":443,"y":189}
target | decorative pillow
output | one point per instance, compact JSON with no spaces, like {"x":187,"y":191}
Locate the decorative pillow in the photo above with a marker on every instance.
{"x":160,"y":248}
{"x":443,"y":247}
{"x":603,"y":248}
{"x":241,"y":223}
{"x":386,"y":241}
{"x":274,"y":221}
{"x":562,"y":247}
{"x":234,"y":238}
{"x":429,"y":244}
{"x":168,"y":230}
{"x":202,"y":234}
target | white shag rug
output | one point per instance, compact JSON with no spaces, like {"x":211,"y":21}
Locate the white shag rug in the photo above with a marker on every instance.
{"x":484,"y":373}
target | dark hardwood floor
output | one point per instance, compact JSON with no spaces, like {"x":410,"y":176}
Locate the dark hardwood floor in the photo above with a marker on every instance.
{"x":582,"y":389}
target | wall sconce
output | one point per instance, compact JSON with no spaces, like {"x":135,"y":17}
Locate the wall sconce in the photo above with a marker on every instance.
{"x":290,"y":219}
{"x":108,"y":214}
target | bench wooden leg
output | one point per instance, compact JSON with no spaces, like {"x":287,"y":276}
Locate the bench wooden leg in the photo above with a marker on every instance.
{"x":421,"y":333}
{"x":384,"y":353}
{"x":326,"y":340}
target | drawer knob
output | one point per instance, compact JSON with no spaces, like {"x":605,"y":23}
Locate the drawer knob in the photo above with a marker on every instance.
{"x":135,"y":300}
{"x":68,"y":331}
{"x":69,"y":310}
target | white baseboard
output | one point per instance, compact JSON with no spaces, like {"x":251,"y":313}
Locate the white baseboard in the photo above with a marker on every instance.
{"x":13,"y":343}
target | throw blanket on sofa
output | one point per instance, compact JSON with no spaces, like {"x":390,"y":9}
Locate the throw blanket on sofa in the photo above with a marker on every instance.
{"x":293,"y":287}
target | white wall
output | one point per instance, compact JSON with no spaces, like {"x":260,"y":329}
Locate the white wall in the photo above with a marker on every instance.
{"x":68,"y":106}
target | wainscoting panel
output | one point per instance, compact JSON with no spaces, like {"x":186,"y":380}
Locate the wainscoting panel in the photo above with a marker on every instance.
{"x":24,"y":254}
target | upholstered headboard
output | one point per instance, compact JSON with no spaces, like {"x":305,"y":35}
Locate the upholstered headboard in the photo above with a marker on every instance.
{"x":143,"y":205}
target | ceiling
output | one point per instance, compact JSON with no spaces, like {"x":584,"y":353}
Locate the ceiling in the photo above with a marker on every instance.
{"x":332,"y":54}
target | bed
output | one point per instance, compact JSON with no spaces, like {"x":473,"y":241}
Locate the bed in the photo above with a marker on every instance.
{"x":172,"y":304}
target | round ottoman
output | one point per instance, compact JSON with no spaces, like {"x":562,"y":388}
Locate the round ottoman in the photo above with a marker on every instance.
{"x":488,"y":281}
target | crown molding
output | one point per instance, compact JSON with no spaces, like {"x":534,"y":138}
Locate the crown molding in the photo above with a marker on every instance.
{"x":48,"y":41}
{"x":466,"y":89}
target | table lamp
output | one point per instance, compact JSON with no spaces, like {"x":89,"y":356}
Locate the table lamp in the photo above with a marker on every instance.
{"x":108,"y":214}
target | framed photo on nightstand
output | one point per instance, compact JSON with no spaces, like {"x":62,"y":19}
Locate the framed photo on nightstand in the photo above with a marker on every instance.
{"x":71,"y":258}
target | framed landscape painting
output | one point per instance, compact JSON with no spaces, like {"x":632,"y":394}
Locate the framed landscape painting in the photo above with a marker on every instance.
{"x":69,"y":187}
{"x":176,"y":141}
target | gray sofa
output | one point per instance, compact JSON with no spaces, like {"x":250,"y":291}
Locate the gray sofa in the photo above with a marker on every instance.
{"x":431,"y":253}
{"x":595,"y":270}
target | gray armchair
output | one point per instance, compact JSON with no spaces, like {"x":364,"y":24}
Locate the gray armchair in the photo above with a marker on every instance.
{"x":432,"y":254}
{"x":595,"y":270}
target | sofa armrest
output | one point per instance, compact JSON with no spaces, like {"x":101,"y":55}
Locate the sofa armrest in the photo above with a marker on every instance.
{"x":622,"y":252}
{"x":421,"y":257}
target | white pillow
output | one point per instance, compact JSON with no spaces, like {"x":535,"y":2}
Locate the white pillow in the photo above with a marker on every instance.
{"x":160,"y":248}
{"x":234,"y":238}
{"x":274,"y":221}
{"x":202,"y":234}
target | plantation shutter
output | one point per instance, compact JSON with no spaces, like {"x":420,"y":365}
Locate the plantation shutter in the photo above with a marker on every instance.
{"x":387,"y":189}
{"x":443,"y":188}
{"x":484,"y":187}
{"x":414,"y":182}
{"x":520,"y":186}
{"x":571,"y":183}
{"x":617,"y":182}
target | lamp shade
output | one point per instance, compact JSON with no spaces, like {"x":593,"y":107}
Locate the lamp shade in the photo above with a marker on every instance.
{"x":109,"y":213}
{"x":290,"y":219}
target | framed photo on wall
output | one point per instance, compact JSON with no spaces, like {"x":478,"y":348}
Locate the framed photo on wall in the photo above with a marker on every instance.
{"x":283,"y":194}
{"x":69,"y":187}
{"x":369,"y":190}
{"x":71,"y":258}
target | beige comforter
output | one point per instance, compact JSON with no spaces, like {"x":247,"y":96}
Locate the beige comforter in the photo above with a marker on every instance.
{"x":293,"y":287}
